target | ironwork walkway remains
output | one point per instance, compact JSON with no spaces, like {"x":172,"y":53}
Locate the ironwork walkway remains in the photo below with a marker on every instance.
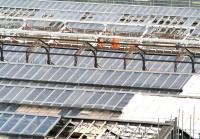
{"x":69,"y":69}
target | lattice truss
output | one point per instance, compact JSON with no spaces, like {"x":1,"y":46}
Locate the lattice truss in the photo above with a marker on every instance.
{"x":92,"y":18}
{"x":90,"y":129}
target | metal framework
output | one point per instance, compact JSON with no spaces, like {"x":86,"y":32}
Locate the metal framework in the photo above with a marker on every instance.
{"x":1,"y":49}
{"x":89,"y":20}
{"x":79,"y":128}
{"x":81,"y":45}
{"x":171,"y":3}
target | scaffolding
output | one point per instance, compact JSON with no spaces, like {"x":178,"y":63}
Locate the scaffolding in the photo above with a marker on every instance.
{"x":79,"y":128}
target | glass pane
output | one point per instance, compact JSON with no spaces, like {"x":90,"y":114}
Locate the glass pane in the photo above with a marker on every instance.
{"x":13,"y":93}
{"x":141,"y":79}
{"x":46,"y":125}
{"x":65,"y":95}
{"x":11,"y":123}
{"x":5,"y":91}
{"x":23,"y":71}
{"x":104,"y":99}
{"x":95,"y":98}
{"x":40,"y":73}
{"x":115,"y":100}
{"x":4,"y":118}
{"x":83,"y":99}
{"x":67,"y":74}
{"x":152,"y":78}
{"x":170,"y":81}
{"x":122,"y":78}
{"x":77,"y":75}
{"x":32,"y":72}
{"x":50,"y":73}
{"x":115,"y":76}
{"x":58,"y":74}
{"x":86,"y":76}
{"x":104,"y":76}
{"x":178,"y":84}
{"x":23,"y":124}
{"x":36,"y":123}
{"x":14,"y":70}
{"x":43,"y":95}
{"x":6,"y":69}
{"x":160,"y":81}
{"x":34,"y":94}
{"x":132,"y":78}
{"x":75,"y":95}
{"x":54,"y":96}
{"x":125,"y":100}
{"x":25,"y":92}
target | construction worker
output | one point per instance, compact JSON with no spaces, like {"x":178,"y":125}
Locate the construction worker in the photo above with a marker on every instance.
{"x":100,"y":43}
{"x":115,"y":41}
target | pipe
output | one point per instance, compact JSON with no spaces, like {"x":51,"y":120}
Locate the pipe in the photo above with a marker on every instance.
{"x":94,"y":52}
{"x":48,"y":55}
{"x":47,"y":51}
{"x":193,"y":65}
{"x":1,"y":49}
{"x":143,"y":61}
{"x":28,"y":51}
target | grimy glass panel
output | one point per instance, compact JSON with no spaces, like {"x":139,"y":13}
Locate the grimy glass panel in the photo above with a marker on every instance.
{"x":181,"y":80}
{"x":65,"y":95}
{"x":4,"y":91}
{"x":102,"y":79}
{"x":83,"y":99}
{"x":34,"y":94}
{"x":94,"y":76}
{"x":43,"y":95}
{"x":105,"y":98}
{"x":114,"y":77}
{"x":125,"y":100}
{"x":141,"y":79}
{"x":9,"y":124}
{"x":4,"y":118}
{"x":68,"y":74}
{"x":76,"y":76}
{"x":122,"y":78}
{"x":41,"y":72}
{"x":23,"y":71}
{"x":53,"y":96}
{"x":23,"y":124}
{"x":32,"y":72}
{"x":12,"y":93}
{"x":14,"y":70}
{"x":49,"y":74}
{"x":46,"y":125}
{"x":5,"y":69}
{"x":152,"y":78}
{"x":170,"y":81}
{"x":86,"y":76}
{"x":132,"y":79}
{"x":73,"y":98}
{"x":160,"y":81}
{"x":115,"y":99}
{"x":95,"y":98}
{"x":25,"y":92}
{"x":58,"y":74}
{"x":34,"y":124}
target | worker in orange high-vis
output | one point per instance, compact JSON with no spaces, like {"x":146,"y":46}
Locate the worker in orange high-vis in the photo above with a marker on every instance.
{"x":115,"y":41}
{"x":100,"y":43}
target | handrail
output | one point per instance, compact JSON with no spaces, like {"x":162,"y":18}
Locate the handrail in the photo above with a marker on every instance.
{"x":1,"y":49}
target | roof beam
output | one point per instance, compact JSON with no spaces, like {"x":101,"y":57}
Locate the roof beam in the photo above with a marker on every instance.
{"x":96,"y":22}
{"x":91,"y":37}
